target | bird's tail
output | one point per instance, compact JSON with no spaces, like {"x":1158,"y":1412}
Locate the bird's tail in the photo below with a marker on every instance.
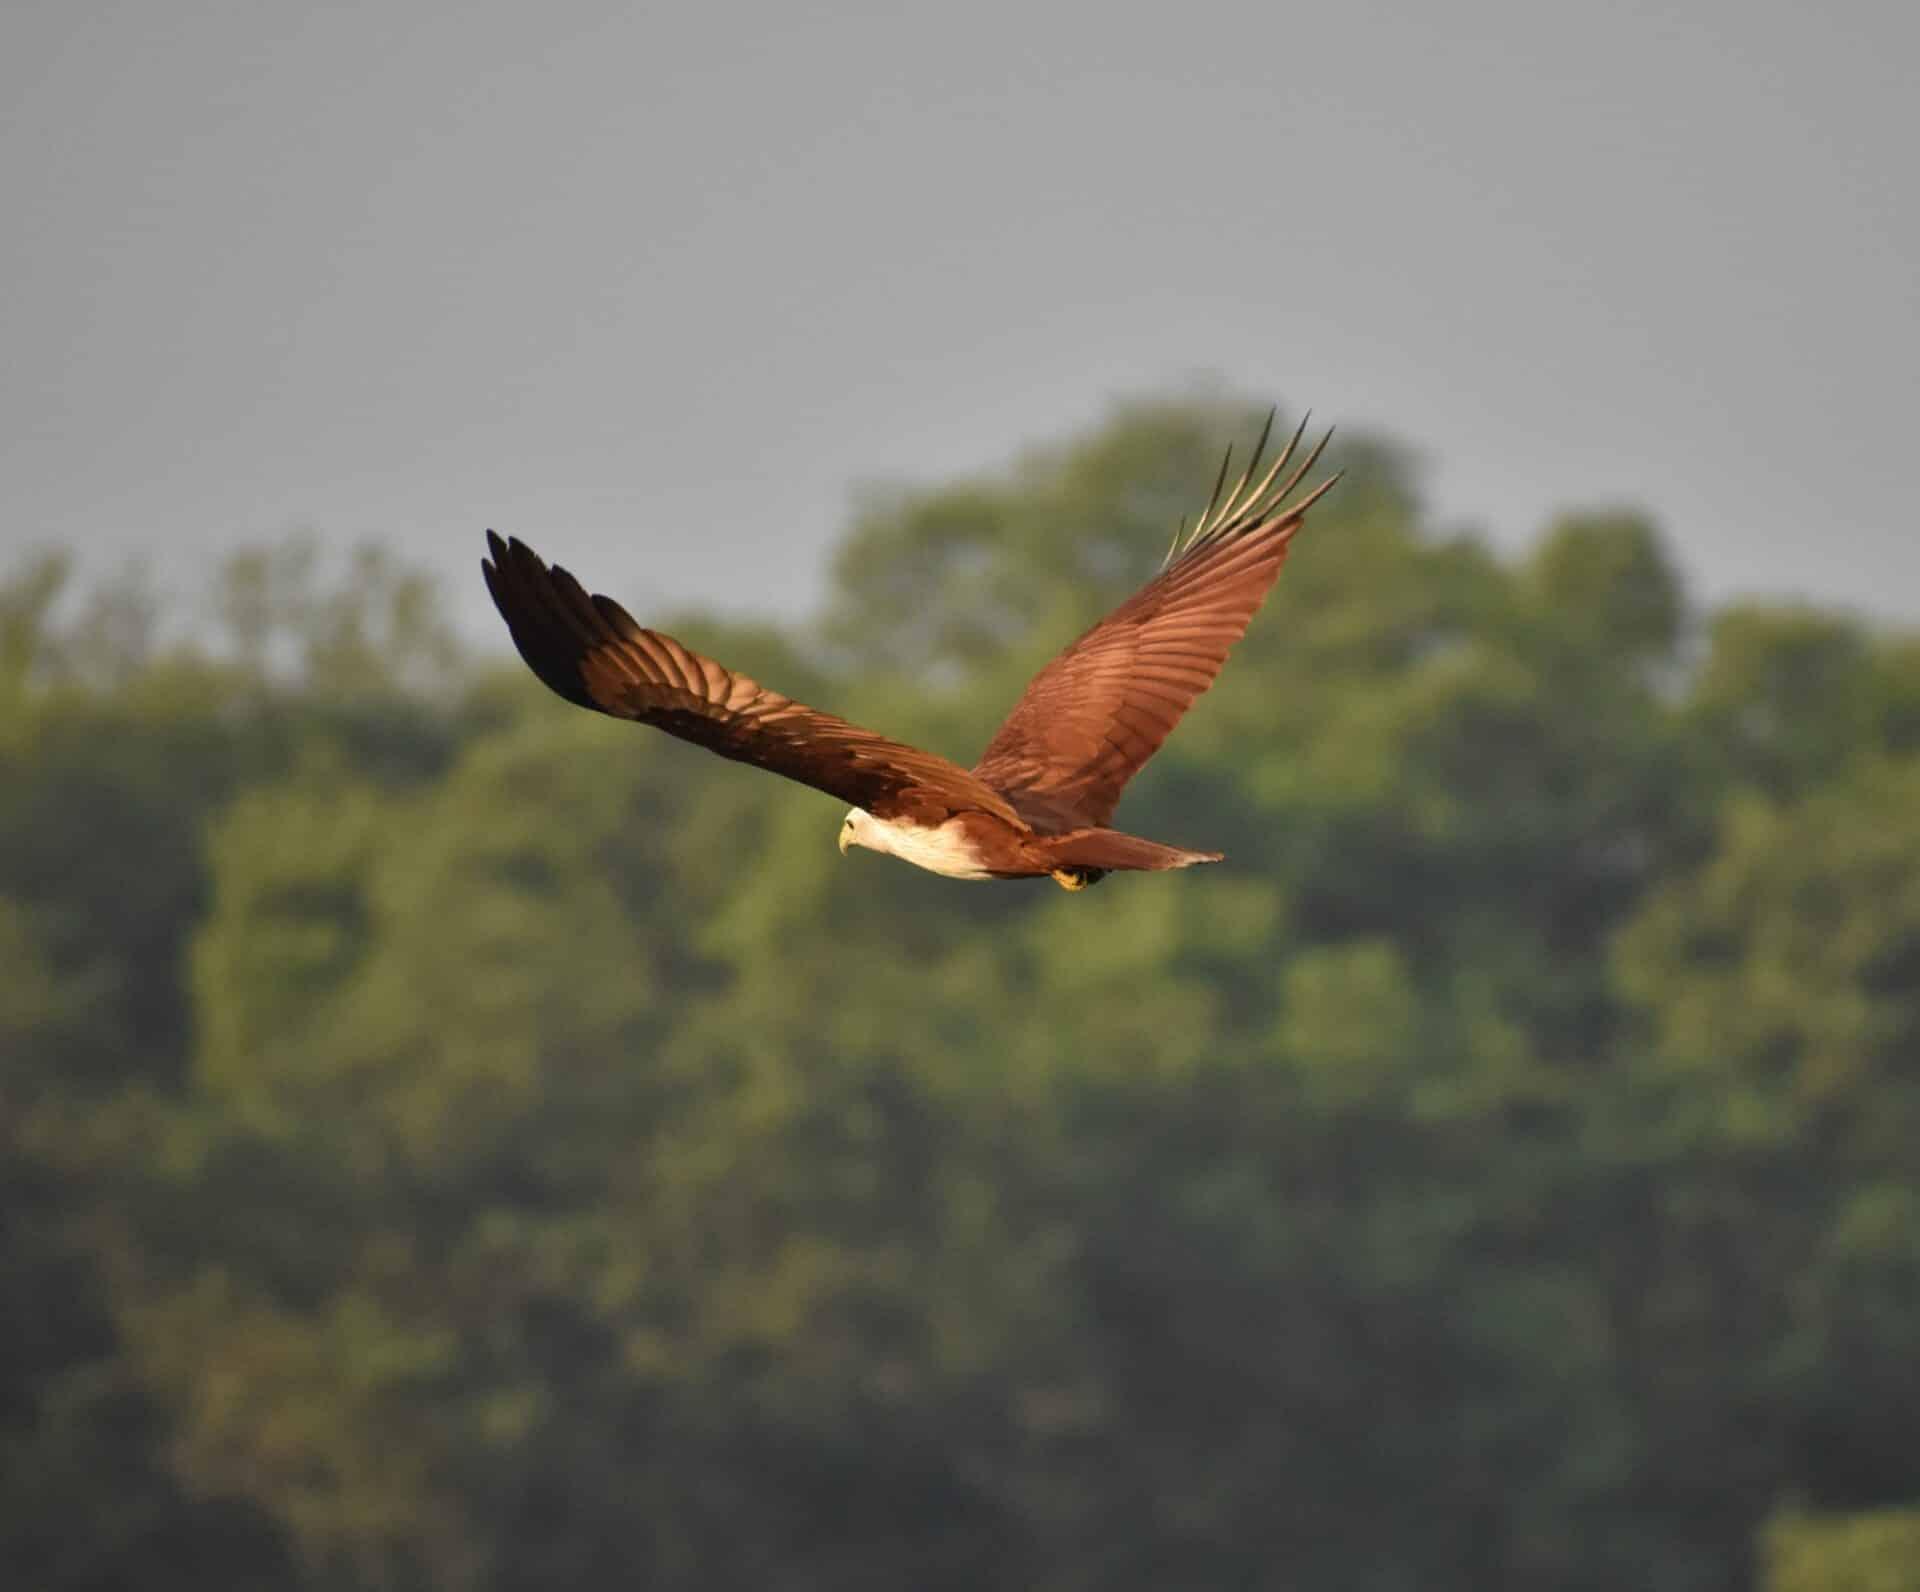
{"x":1109,"y":851}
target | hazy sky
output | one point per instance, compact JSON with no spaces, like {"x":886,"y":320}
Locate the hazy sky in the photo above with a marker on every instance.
{"x":655,"y":285}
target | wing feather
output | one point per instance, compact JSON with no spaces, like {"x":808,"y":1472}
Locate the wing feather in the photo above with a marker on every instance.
{"x":1089,"y":720}
{"x":590,"y":650}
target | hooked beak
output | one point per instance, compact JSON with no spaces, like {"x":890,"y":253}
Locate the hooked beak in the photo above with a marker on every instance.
{"x":846,"y":839}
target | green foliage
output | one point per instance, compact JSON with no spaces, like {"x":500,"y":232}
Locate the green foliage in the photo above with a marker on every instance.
{"x":453,"y":1141}
{"x":1878,"y":1551}
{"x":1789,"y":965}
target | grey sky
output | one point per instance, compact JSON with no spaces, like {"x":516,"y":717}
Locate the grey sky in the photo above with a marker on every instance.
{"x":654,"y":286}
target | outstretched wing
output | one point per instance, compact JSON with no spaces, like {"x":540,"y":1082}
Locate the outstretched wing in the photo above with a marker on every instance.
{"x":1097,"y":712}
{"x":591,"y":651}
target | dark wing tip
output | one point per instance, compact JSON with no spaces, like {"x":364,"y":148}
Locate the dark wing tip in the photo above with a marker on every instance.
{"x":533,"y":603}
{"x":1253,"y":505}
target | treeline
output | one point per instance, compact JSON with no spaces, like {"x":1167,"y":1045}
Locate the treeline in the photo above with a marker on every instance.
{"x":451,"y":1141}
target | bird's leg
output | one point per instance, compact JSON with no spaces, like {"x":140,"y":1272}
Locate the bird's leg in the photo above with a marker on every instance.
{"x":1070,"y":879}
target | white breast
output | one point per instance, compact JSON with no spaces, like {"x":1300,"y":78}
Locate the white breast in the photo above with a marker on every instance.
{"x":943,"y":850}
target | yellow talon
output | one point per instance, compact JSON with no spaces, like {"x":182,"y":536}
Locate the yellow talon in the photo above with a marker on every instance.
{"x":1069,"y":879}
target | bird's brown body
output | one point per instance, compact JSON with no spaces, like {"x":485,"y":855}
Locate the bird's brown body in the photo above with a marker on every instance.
{"x":1038,"y":802}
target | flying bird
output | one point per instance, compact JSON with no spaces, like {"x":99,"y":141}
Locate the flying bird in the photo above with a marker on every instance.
{"x":1037,"y":804}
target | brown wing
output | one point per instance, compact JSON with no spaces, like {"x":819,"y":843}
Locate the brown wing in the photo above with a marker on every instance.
{"x":1097,"y":712}
{"x":592,"y":652}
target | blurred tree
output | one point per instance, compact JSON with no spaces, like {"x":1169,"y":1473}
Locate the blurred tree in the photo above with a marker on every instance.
{"x":1784,"y":698}
{"x":449,"y":1141}
{"x":1874,"y":1552}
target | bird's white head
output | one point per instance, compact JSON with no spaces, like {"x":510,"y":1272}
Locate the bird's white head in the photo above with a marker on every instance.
{"x":857,"y":830}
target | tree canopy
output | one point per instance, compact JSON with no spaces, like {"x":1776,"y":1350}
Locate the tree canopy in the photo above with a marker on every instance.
{"x":450,"y":1141}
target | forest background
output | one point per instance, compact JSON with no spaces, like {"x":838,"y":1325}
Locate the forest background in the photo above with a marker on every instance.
{"x":452,"y":1141}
